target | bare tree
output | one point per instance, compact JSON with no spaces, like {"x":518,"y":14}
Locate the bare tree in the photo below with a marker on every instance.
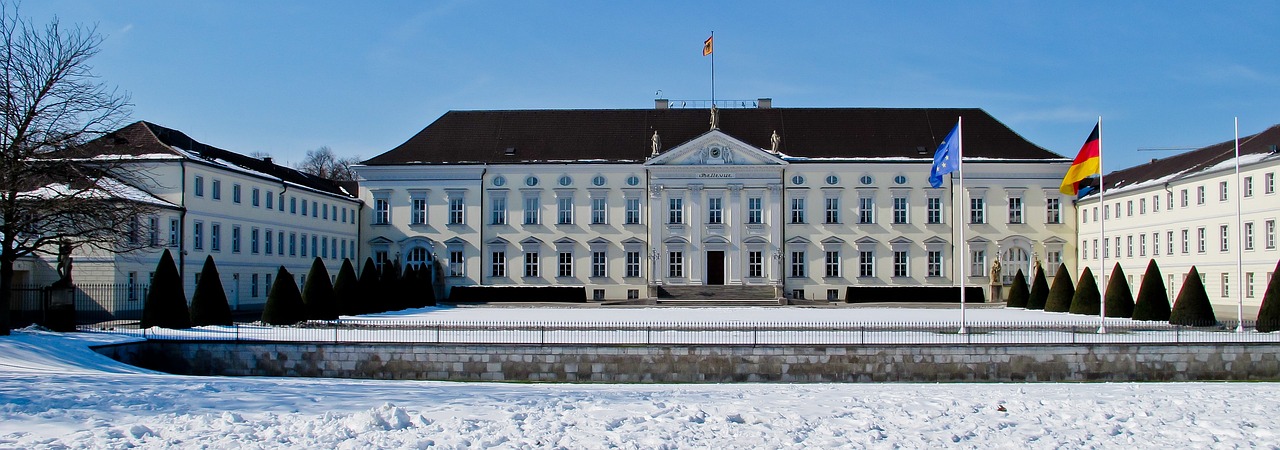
{"x":52,"y":103}
{"x":322,"y":162}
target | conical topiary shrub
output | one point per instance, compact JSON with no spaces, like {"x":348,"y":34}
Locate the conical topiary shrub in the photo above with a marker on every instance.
{"x":426,"y":290}
{"x":284,"y":303}
{"x":1193,"y":307}
{"x":371,"y":289}
{"x":1153,"y":298}
{"x":1269,"y":313}
{"x":1039,"y":291}
{"x":1086,"y":300}
{"x":346,"y":290}
{"x":209,"y":304}
{"x":1018,"y":292}
{"x":389,"y":287}
{"x":1119,"y":298}
{"x":1061,"y":293}
{"x":317,"y":293}
{"x":166,"y":304}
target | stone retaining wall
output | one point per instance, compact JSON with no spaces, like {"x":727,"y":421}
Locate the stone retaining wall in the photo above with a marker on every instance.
{"x":711,"y":364}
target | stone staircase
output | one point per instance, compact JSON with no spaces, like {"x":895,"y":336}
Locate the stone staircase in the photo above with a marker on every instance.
{"x":704,"y":296}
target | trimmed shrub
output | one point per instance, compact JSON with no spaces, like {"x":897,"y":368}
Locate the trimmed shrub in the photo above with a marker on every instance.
{"x":1153,"y":298}
{"x":1039,"y":291}
{"x":371,"y":289}
{"x":1086,"y":300}
{"x":317,"y":293}
{"x":1061,"y":293}
{"x":1269,"y":313}
{"x":1018,"y":292}
{"x":389,"y":287}
{"x":209,"y":304}
{"x":1193,"y":307}
{"x":1119,"y":297}
{"x":166,"y":304}
{"x":284,"y":302}
{"x":905,"y":294}
{"x":346,"y":290}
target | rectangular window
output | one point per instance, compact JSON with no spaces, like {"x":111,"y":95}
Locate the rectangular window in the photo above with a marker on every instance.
{"x":315,"y":210}
{"x":313,"y":246}
{"x":675,"y":210}
{"x":1186,"y":241}
{"x":675,"y":264}
{"x":1015,"y":210}
{"x":1269,"y":183}
{"x":1053,"y":210}
{"x":270,"y":198}
{"x":1247,"y":189}
{"x":1128,"y":246}
{"x":303,"y":241}
{"x":1106,"y":247}
{"x":1155,"y":203}
{"x":153,"y":231}
{"x":832,"y":264}
{"x":1185,"y":198}
{"x":564,"y":268}
{"x":633,"y":264}
{"x":935,"y":263}
{"x":253,"y":197}
{"x":1168,"y":200}
{"x":866,"y":210}
{"x":900,"y":209}
{"x":1222,"y":191}
{"x":598,"y":211}
{"x":797,"y":264}
{"x":1199,"y":195}
{"x":253,"y":285}
{"x":531,"y":264}
{"x":564,"y":210}
{"x":833,"y":209}
{"x":417,"y":211}
{"x":977,"y":210}
{"x":456,"y":263}
{"x":1271,"y":234}
{"x":235,"y":193}
{"x":901,"y":264}
{"x":1155,"y":244}
{"x":866,"y":264}
{"x":1095,"y":249}
{"x":977,"y":263}
{"x":1142,"y":206}
{"x":235,"y":239}
{"x":934,"y":208}
{"x":1118,"y":247}
{"x":1170,"y":244}
{"x":217,"y":189}
{"x":498,"y":211}
{"x":715,"y":210}
{"x":1054,"y":260}
{"x":632,"y":211}
{"x":633,"y":294}
{"x":293,"y":244}
{"x":324,"y":210}
{"x":1226,"y":285}
{"x":254,"y":234}
{"x":199,"y":186}
{"x":266,"y":242}
{"x":293,"y":205}
{"x":531,"y":205}
{"x":455,"y":211}
{"x":797,"y":210}
{"x":304,"y":207}
{"x":1200,"y":240}
{"x":498,"y":264}
{"x":381,"y":211}
{"x":1248,"y":284}
{"x":280,"y":243}
{"x":266,"y":284}
{"x":174,"y":227}
{"x":1225,"y":238}
{"x":1142,"y":245}
{"x":755,"y":210}
{"x":1128,"y":209}
{"x":1084,"y":249}
{"x":599,"y":263}
{"x":755,"y":264}
{"x":215,"y":237}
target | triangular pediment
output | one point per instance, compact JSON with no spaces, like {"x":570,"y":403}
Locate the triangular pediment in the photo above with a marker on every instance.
{"x":715,"y":148}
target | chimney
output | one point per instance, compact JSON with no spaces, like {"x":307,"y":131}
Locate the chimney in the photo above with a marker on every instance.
{"x":764,"y":103}
{"x":267,"y":159}
{"x":660,"y":103}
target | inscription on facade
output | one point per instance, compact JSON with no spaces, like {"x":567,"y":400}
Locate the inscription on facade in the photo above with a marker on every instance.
{"x":715,"y":175}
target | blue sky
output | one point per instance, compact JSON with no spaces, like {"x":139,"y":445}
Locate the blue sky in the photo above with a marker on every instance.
{"x":285,"y":77}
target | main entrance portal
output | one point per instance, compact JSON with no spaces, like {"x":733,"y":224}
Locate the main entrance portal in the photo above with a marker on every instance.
{"x":715,"y":268}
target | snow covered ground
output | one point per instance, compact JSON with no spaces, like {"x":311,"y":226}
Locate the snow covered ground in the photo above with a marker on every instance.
{"x":56,"y":393}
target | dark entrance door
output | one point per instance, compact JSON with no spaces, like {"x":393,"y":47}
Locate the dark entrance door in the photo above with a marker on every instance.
{"x":715,"y":268}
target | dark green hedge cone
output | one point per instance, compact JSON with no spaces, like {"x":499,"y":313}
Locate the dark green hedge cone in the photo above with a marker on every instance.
{"x":1193,"y":307}
{"x":1018,"y":293}
{"x":1061,"y":293}
{"x":370,"y":289}
{"x":389,"y":287}
{"x":284,"y":303}
{"x":426,"y":287}
{"x":1153,"y":298}
{"x":1039,"y":291}
{"x":346,"y":290}
{"x":1086,"y":300}
{"x":1269,"y":313}
{"x":1119,"y":297}
{"x":166,"y":304}
{"x":317,"y":293}
{"x":209,"y":304}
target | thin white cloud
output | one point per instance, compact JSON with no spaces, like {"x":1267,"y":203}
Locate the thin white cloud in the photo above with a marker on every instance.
{"x":126,"y":29}
{"x":1060,"y":114}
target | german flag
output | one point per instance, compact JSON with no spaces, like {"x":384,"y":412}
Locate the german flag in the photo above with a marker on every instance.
{"x":706,"y":46}
{"x":1087,"y":163}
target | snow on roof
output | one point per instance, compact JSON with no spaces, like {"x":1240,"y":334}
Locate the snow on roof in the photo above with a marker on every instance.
{"x":104,"y":188}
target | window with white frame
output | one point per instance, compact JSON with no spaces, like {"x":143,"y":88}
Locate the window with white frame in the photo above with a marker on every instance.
{"x":1168,"y":200}
{"x":933,"y":210}
{"x":1248,"y":235}
{"x":633,"y":264}
{"x":598,"y":211}
{"x":1015,"y":209}
{"x":900,"y":210}
{"x":935,"y":263}
{"x":901,"y":263}
{"x":280,"y":243}
{"x":267,"y":247}
{"x":755,"y":210}
{"x":1053,"y":259}
{"x":215,"y":237}
{"x":254,"y":235}
{"x":1185,"y":198}
{"x":632,"y":211}
{"x":715,"y":210}
{"x":1226,"y":285}
{"x":1269,"y":183}
{"x":675,"y":210}
{"x":1053,"y":210}
{"x":254,"y":195}
{"x":1084,"y":249}
{"x":833,"y":209}
{"x":564,"y":209}
{"x":797,"y":210}
{"x":1155,"y":244}
{"x":456,"y":206}
{"x":1186,"y":241}
{"x":498,"y":210}
{"x":498,"y":263}
{"x":1169,"y":244}
{"x":1118,"y":247}
{"x":866,"y":209}
{"x":977,"y":210}
{"x":1248,"y":284}
{"x":1142,"y":245}
{"x":755,"y":264}
{"x":235,"y":193}
{"x":531,"y":264}
{"x":675,"y":264}
{"x":866,"y":263}
{"x":457,"y":263}
{"x":174,"y":227}
{"x":531,"y":205}
{"x":1128,"y":209}
{"x":199,"y":185}
{"x":1155,"y":203}
{"x":1271,"y":234}
{"x":1222,"y":191}
{"x":235,"y":238}
{"x":1128,"y":246}
{"x":832,"y":265}
{"x":381,"y":209}
{"x":564,"y":263}
{"x":1247,"y":188}
{"x":1224,"y":238}
{"x":977,"y":263}
{"x":1142,"y":206}
{"x":599,"y":263}
{"x":1095,"y":249}
{"x":1200,"y":240}
{"x":1106,"y":247}
{"x":797,"y":264}
{"x":1199,"y":195}
{"x":417,"y":210}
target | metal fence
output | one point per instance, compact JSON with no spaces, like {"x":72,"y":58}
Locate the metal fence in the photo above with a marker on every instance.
{"x":94,"y":303}
{"x":713,"y":333}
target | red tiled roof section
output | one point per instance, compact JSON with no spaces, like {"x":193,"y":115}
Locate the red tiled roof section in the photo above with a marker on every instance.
{"x":1196,"y":160}
{"x":461,"y":137}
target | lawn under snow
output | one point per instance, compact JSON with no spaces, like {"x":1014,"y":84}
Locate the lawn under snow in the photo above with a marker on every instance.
{"x":57,"y":393}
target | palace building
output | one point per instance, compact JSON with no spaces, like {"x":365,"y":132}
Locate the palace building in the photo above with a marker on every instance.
{"x":762,"y":202}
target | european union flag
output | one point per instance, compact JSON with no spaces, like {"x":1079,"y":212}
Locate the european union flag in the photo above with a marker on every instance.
{"x":947,"y":158}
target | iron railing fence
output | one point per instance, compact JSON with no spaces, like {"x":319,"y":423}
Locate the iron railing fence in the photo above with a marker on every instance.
{"x":94,"y":303}
{"x":26,"y":305}
{"x":712,"y":333}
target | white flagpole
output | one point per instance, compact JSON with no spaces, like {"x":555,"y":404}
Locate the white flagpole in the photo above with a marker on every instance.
{"x":1102,"y":228}
{"x":713,"y":68}
{"x":1239,"y":239}
{"x":964,"y":247}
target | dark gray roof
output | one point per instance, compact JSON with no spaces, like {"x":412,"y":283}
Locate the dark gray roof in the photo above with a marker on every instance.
{"x":1195,"y":161}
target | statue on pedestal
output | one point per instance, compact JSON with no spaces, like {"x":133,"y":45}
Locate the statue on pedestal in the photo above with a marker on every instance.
{"x":775,"y":142}
{"x":657,"y":145}
{"x":715,"y":117}
{"x":64,"y":265}
{"x":995,"y":272}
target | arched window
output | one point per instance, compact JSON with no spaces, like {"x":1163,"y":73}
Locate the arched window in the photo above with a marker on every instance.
{"x":417,"y":256}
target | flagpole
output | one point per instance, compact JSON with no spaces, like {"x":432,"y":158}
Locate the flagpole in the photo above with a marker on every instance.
{"x":713,"y":68}
{"x":1102,"y":229}
{"x":1239,"y":239}
{"x":964,"y":327}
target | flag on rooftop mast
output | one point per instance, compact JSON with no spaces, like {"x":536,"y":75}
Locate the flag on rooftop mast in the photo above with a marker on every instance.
{"x":947,"y":159}
{"x":708,"y":47}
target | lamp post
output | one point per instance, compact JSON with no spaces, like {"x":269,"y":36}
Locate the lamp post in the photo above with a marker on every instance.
{"x":777,"y":286}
